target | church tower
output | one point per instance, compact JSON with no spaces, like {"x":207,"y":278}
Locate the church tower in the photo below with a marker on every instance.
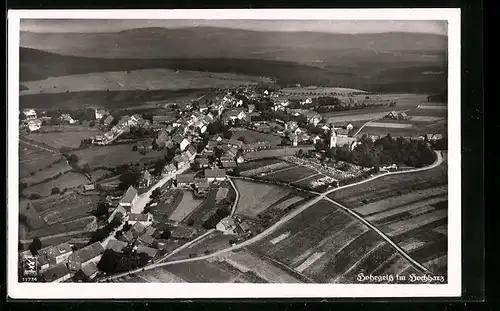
{"x":295,"y":140}
{"x":333,"y":138}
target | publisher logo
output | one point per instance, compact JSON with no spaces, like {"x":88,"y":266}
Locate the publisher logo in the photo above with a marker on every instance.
{"x":30,"y":266}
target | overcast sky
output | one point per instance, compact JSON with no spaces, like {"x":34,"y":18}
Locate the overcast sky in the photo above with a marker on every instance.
{"x":333,"y":26}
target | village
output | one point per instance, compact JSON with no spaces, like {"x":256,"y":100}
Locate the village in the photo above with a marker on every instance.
{"x":207,"y":141}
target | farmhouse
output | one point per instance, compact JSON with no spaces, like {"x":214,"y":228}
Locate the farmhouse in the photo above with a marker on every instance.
{"x":391,"y":115}
{"x":342,"y":132}
{"x":143,"y":219}
{"x":163,"y":138}
{"x":89,"y":271}
{"x":108,"y":120}
{"x":203,"y":107}
{"x":57,"y":274}
{"x":146,"y":239}
{"x":129,"y":198}
{"x":233,"y":115}
{"x":143,"y":123}
{"x":145,"y":181}
{"x":137,"y":230}
{"x":29,"y":114}
{"x":243,"y":228}
{"x":168,"y":170}
{"x":349,"y":127}
{"x":65,"y":117}
{"x":226,"y":225}
{"x":85,"y":256}
{"x":229,"y":164}
{"x":184,"y":180}
{"x":313,"y":117}
{"x":57,"y":254}
{"x":235,"y":143}
{"x":116,"y":245}
{"x":34,"y":125}
{"x":100,"y":113}
{"x":191,"y":152}
{"x":215,"y":175}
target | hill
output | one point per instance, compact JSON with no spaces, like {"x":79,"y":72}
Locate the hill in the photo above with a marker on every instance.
{"x":209,"y":42}
{"x":366,"y":75}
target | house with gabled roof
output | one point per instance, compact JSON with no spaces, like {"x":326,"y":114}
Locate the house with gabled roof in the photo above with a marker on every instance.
{"x":151,"y":252}
{"x":108,"y":120}
{"x":130,"y":197}
{"x":86,"y":255}
{"x":57,"y":254}
{"x":169,"y":169}
{"x":215,"y":174}
{"x":145,"y":180}
{"x":57,"y":274}
{"x":116,"y":245}
{"x":144,"y":219}
{"x":89,"y":271}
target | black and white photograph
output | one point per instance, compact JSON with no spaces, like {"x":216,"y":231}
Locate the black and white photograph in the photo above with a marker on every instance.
{"x":237,"y":153}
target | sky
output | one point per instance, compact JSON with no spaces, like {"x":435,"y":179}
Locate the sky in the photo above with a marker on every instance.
{"x":329,"y":26}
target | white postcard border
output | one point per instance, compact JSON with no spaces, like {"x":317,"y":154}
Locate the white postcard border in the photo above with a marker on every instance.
{"x":453,"y":288}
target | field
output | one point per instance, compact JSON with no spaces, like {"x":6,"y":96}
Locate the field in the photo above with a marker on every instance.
{"x":253,"y":136}
{"x":66,"y":181}
{"x":256,"y":197}
{"x":57,"y":140}
{"x":215,"y":241}
{"x":57,"y":214}
{"x":166,"y":205}
{"x":188,"y":204}
{"x":291,"y":175}
{"x":413,"y":212}
{"x":204,"y":210}
{"x":278,"y":152}
{"x":113,"y":155}
{"x":327,"y":245}
{"x":145,"y":79}
{"x":36,"y":164}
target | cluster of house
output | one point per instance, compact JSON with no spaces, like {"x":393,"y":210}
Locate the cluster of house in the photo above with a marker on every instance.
{"x":60,"y":262}
{"x":31,"y":120}
{"x":233,"y":226}
{"x":396,"y":116}
{"x":123,"y":126}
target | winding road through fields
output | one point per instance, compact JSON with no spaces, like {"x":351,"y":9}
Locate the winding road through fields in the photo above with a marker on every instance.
{"x":296,"y":212}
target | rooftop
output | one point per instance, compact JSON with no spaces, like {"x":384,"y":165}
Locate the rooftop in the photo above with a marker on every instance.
{"x":215,"y":173}
{"x":87,"y":253}
{"x":54,"y":251}
{"x":138,"y":217}
{"x":129,"y":195}
{"x":151,"y":252}
{"x":90,"y":269}
{"x":55,"y":273}
{"x":116,"y":245}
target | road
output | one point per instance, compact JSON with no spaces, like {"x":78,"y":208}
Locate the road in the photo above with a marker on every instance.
{"x":296,"y":212}
{"x":237,"y":199}
{"x":144,"y":198}
{"x":59,"y":235}
{"x":37,"y":146}
{"x":361,"y":128}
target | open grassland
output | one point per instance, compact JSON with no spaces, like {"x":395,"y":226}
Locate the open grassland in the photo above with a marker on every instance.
{"x":108,"y":100}
{"x":213,"y":242}
{"x":251,"y":165}
{"x":441,"y":113}
{"x":187,"y":205}
{"x":36,"y":164}
{"x":166,"y":205}
{"x":145,"y":79}
{"x":257,"y":197}
{"x":276,"y":152}
{"x":113,"y":155}
{"x":204,"y":210}
{"x":66,"y":181}
{"x":291,"y":175}
{"x":326,"y":245}
{"x":57,"y":140}
{"x":211,"y":272}
{"x":253,"y":136}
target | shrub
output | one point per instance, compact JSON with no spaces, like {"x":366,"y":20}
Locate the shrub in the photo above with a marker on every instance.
{"x":55,"y":190}
{"x":34,"y":196}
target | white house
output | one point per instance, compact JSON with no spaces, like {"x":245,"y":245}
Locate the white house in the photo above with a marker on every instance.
{"x":215,"y":175}
{"x":67,"y":118}
{"x":29,"y":114}
{"x":129,"y":198}
{"x":349,"y":127}
{"x":183,"y":144}
{"x":316,"y":139}
{"x":34,"y":125}
{"x":226,"y":225}
{"x":143,"y":219}
{"x":100,"y":113}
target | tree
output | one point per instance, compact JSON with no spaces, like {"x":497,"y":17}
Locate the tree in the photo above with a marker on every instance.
{"x":242,"y":139}
{"x":54,"y":120}
{"x":159,"y":165}
{"x":166,"y":234}
{"x":35,"y":246}
{"x":319,"y":146}
{"x":101,"y":210}
{"x":34,"y":196}
{"x":129,"y":178}
{"x":55,"y":190}
{"x":155,"y":194}
{"x":118,"y":234}
{"x":227,"y":134}
{"x":300,"y":153}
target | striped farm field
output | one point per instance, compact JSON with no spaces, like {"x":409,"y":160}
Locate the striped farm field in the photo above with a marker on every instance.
{"x":425,"y":119}
{"x":258,"y":163}
{"x":443,"y":113}
{"x":415,"y":218}
{"x":57,"y":140}
{"x":327,"y":245}
{"x":389,"y":125}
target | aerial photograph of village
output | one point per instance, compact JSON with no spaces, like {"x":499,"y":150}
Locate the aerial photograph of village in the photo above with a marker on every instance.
{"x":233,"y":151}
